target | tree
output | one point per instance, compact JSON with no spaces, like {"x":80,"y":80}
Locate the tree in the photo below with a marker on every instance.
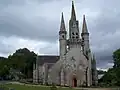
{"x":4,"y":71}
{"x":116,"y":58}
{"x":20,"y":62}
{"x":4,"y":68}
{"x":112,"y":76}
{"x":109,"y":78}
{"x":101,"y":72}
{"x":23,"y":60}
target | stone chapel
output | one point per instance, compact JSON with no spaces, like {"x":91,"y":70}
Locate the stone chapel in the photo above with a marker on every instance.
{"x":76,"y":65}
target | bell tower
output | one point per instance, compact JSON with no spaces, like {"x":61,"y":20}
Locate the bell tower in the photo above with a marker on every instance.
{"x":74,"y":39}
{"x":62,"y":38}
{"x":85,"y":37}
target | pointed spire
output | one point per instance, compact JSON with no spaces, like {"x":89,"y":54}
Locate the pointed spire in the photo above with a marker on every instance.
{"x":94,"y":61}
{"x":62,"y":26}
{"x":73,"y":15}
{"x":94,"y":58}
{"x":84,"y":27}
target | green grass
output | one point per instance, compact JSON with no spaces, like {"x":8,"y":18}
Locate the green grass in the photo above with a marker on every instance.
{"x":30,"y":87}
{"x":24,"y":87}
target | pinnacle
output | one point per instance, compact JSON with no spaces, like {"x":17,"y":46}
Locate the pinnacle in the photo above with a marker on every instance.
{"x":84,"y":28}
{"x":73,"y":15}
{"x":72,"y":2}
{"x":62,"y":16}
{"x":94,"y":58}
{"x":62,"y":26}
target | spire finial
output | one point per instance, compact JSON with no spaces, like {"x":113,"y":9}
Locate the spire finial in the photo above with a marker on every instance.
{"x":73,"y":16}
{"x":62,"y":16}
{"x":84,"y":28}
{"x":84,"y":16}
{"x":62,"y":26}
{"x":72,"y":2}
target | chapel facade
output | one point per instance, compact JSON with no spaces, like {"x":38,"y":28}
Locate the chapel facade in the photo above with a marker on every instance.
{"x":75,"y":65}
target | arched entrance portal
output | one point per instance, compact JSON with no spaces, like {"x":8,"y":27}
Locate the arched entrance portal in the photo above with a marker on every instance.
{"x":74,"y":82}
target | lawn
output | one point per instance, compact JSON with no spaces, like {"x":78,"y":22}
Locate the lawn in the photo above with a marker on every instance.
{"x":25,"y":87}
{"x":31,"y":87}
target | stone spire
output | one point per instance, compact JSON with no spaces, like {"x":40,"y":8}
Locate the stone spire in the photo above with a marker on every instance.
{"x":62,"y":26}
{"x":94,"y":58}
{"x":95,"y":74}
{"x":73,"y":15}
{"x":94,"y":61}
{"x":84,"y":27}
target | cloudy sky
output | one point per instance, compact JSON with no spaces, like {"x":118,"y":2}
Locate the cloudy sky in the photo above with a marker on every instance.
{"x":35,"y":24}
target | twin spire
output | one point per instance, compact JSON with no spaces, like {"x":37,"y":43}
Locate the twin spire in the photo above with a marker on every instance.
{"x":73,"y":17}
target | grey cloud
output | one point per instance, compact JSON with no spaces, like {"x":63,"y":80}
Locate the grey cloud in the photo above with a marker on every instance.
{"x":50,"y":49}
{"x":43,"y":1}
{"x":104,"y":60}
{"x":7,"y":3}
{"x":13,"y":26}
{"x":5,"y":49}
{"x":107,"y":24}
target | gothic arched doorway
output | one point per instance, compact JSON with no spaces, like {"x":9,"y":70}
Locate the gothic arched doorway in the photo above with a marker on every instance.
{"x":74,"y":82}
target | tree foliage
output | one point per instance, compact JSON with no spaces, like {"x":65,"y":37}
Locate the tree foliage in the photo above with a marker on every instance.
{"x":4,"y":69}
{"x":112,"y":76}
{"x":22,"y":60}
{"x":101,"y":72}
{"x":116,"y":58}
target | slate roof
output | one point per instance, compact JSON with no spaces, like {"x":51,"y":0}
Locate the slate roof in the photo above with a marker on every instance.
{"x":47,"y":59}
